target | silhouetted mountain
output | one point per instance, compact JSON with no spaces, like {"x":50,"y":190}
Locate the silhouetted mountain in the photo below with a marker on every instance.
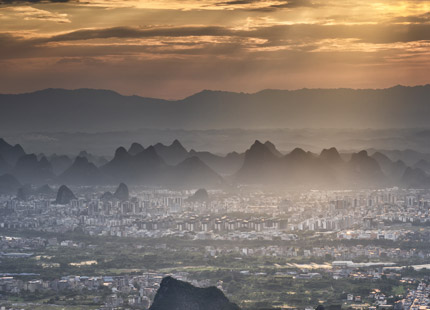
{"x":9,"y":184}
{"x":96,"y":160}
{"x":300,"y":168}
{"x":135,"y":149}
{"x":259,"y":164}
{"x":393,"y":170}
{"x":365,"y":169}
{"x":82,"y":172}
{"x":178,"y":295}
{"x":29,"y":169}
{"x":415,"y":178}
{"x":273,"y":149}
{"x":121,"y":192}
{"x":200,"y":195}
{"x":383,"y":161}
{"x":408,"y":156}
{"x":173,"y":153}
{"x":103,"y":110}
{"x":10,"y":153}
{"x":192,"y":172}
{"x":222,"y":165}
{"x":331,"y":156}
{"x":144,"y":168}
{"x":60,"y":163}
{"x":64,"y":195}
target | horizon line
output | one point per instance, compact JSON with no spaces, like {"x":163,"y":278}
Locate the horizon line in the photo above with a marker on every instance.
{"x":213,"y":90}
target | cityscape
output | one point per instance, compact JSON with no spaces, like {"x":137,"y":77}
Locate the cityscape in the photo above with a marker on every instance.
{"x":109,"y":246}
{"x":214,"y":155}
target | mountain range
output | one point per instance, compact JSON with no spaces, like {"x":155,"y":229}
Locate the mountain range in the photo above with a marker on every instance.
{"x":173,"y":166}
{"x":93,"y":110}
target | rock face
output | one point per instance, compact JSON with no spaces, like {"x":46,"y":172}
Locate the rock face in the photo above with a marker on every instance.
{"x":121,"y":192}
{"x":64,"y":195}
{"x":177,"y":295}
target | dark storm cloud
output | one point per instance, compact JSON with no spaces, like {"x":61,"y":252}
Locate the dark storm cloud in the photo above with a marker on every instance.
{"x":277,"y":33}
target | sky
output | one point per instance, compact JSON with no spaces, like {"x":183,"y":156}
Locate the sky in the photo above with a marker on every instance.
{"x":173,"y":48}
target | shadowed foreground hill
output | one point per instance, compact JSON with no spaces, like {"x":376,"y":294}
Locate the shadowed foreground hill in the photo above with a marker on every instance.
{"x":177,"y":295}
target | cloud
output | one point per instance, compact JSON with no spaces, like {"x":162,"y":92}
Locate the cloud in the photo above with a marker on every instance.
{"x":31,"y":13}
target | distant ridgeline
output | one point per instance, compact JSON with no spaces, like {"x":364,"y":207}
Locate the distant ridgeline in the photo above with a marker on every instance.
{"x":92,"y":110}
{"x":173,"y":166}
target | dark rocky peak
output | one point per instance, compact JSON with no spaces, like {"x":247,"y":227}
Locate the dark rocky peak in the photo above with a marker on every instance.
{"x":362,"y":162}
{"x":135,"y":148}
{"x":148,"y":156}
{"x":64,"y":195}
{"x":177,"y":145}
{"x":121,"y":154}
{"x":361,"y":154}
{"x":178,"y":295}
{"x":200,"y":195}
{"x":273,"y":148}
{"x":258,"y":151}
{"x":122,"y":192}
{"x":330,"y":155}
{"x":298,"y":154}
{"x":172,"y":154}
